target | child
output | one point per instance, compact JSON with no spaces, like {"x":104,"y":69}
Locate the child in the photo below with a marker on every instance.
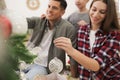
{"x":81,"y":15}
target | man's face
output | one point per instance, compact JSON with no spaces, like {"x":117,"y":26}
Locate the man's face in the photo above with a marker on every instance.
{"x":54,"y":11}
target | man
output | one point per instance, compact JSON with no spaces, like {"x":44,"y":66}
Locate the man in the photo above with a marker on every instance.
{"x":45,"y":30}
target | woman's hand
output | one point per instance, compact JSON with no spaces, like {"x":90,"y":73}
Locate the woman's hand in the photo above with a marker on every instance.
{"x":64,"y":43}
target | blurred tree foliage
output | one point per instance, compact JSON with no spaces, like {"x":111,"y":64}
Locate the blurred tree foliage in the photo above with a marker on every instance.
{"x":14,"y":52}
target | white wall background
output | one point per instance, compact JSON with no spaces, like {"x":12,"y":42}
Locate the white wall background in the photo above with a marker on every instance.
{"x":21,"y":7}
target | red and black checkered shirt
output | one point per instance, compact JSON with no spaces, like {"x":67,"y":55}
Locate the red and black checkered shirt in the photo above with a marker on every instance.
{"x":105,"y":50}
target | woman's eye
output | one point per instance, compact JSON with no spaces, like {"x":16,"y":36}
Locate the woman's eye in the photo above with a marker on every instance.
{"x":102,"y":12}
{"x":93,"y":9}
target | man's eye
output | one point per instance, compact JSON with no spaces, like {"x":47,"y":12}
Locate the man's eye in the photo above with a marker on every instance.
{"x":55,"y":8}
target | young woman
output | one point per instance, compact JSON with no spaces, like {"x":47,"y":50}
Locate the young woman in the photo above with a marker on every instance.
{"x":98,"y":51}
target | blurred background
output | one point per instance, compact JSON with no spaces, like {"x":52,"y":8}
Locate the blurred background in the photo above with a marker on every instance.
{"x":37,"y":7}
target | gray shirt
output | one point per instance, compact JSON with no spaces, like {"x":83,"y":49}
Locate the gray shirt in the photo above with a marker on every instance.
{"x":75,"y":17}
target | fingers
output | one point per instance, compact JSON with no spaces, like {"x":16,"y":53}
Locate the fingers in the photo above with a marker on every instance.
{"x":62,"y":40}
{"x":82,"y":23}
{"x":42,"y":16}
{"x":63,"y":43}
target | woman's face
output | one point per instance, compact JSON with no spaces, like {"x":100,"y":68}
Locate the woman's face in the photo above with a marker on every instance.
{"x":97,"y":12}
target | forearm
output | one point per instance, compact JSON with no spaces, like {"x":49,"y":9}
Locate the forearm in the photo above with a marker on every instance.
{"x":85,"y":61}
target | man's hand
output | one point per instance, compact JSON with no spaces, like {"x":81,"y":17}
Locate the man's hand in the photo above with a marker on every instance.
{"x":42,"y":16}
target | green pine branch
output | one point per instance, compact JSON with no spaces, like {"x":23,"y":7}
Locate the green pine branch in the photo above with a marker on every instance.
{"x":15,"y":51}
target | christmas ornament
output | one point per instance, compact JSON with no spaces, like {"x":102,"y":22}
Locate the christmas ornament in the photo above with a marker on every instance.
{"x":55,"y":65}
{"x":35,"y":50}
{"x":15,"y":50}
{"x":5,"y":26}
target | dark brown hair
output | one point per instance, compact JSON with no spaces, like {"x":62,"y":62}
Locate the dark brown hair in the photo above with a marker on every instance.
{"x":63,"y":3}
{"x":111,"y":19}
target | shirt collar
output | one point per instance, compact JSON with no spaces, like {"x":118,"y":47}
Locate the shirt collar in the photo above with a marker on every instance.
{"x":56,"y":23}
{"x":99,"y":32}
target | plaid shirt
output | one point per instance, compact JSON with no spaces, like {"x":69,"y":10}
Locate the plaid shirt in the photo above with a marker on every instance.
{"x":105,"y":50}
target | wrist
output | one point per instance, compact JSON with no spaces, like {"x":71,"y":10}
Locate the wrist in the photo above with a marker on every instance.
{"x":71,"y":51}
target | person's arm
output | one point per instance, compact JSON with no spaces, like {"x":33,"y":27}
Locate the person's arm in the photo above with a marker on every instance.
{"x":32,"y":22}
{"x":88,"y":63}
{"x":85,"y":61}
{"x":43,"y":16}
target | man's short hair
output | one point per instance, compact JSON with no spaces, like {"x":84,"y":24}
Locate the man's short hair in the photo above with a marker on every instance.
{"x":63,"y":3}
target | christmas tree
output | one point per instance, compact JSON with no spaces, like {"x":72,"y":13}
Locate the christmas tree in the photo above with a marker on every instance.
{"x":12,"y":49}
{"x":15,"y":51}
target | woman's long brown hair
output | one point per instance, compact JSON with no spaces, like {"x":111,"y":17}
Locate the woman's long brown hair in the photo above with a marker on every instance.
{"x":111,"y":19}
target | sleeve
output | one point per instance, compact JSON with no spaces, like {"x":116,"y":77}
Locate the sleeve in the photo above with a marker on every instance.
{"x":73,"y":63}
{"x":32,"y":22}
{"x":109,"y":52}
